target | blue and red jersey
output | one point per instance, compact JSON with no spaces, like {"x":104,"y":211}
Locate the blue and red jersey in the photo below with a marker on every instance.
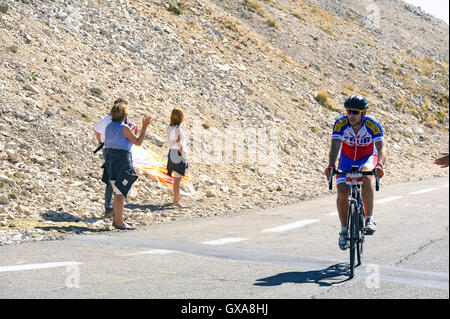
{"x":361,"y":145}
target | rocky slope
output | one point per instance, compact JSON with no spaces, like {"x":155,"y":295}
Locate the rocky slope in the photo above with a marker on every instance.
{"x":243,"y":65}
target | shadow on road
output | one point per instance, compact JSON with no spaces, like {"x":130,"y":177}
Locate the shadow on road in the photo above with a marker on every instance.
{"x":153,"y":208}
{"x":324,"y":277}
{"x":73,"y":229}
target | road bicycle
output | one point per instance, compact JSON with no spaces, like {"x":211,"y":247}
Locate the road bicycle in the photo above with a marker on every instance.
{"x":356,"y":214}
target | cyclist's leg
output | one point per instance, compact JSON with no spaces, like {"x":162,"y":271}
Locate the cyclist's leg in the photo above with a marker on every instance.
{"x":343,"y":192}
{"x":368,"y":193}
{"x":368,"y":190}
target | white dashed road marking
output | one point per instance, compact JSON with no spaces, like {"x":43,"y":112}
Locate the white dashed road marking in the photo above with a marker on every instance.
{"x":277,"y":229}
{"x":153,"y":252}
{"x":388,"y":199}
{"x":223,"y":241}
{"x":165,"y":251}
{"x":300,"y":223}
{"x":38,"y":266}
{"x":426,"y":190}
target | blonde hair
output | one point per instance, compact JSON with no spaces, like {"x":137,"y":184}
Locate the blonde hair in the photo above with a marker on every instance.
{"x":177,"y":117}
{"x":119,"y":111}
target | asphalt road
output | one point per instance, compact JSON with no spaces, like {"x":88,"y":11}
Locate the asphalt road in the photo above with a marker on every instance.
{"x":283,"y":253}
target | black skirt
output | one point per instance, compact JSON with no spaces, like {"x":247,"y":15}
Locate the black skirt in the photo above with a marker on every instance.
{"x":118,"y":167}
{"x":176,"y":163}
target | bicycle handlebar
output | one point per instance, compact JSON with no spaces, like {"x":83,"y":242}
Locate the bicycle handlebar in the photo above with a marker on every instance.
{"x":334,"y":171}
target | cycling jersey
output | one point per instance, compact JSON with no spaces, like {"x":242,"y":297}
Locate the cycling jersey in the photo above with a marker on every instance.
{"x":358,"y":146}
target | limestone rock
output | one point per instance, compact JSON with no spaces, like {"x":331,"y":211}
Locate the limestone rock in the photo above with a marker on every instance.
{"x":4,"y":199}
{"x":210,"y":193}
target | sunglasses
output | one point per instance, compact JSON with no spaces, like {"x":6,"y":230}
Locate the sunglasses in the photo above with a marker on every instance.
{"x":354,"y":112}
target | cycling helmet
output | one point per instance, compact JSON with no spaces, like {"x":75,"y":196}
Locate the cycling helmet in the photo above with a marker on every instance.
{"x":356,"y":102}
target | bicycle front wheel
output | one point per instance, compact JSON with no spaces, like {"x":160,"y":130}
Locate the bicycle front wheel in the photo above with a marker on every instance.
{"x":360,"y":241}
{"x":353,"y":222}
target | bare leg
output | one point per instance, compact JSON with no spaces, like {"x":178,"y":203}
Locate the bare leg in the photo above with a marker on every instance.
{"x":367,"y":194}
{"x":118,"y":210}
{"x":343,"y":191}
{"x":176,"y":191}
{"x":367,"y":191}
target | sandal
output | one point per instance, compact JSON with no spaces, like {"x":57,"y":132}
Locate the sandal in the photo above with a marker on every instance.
{"x":126,"y":227}
{"x":178,"y":205}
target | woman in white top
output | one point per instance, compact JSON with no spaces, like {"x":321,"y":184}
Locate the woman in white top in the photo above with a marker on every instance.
{"x":176,"y":161}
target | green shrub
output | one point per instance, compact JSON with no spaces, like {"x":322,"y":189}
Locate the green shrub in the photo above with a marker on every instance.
{"x":175,"y":10}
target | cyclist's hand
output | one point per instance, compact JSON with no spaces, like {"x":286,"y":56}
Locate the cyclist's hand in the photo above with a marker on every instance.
{"x":380,"y":170}
{"x":327,"y":170}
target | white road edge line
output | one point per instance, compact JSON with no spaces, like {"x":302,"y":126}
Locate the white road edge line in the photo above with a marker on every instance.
{"x":426,"y":190}
{"x":224,"y":241}
{"x":38,"y":266}
{"x":387,"y":199}
{"x":300,"y":223}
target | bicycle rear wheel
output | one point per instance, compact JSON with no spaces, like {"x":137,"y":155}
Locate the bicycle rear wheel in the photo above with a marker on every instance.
{"x":353,"y":222}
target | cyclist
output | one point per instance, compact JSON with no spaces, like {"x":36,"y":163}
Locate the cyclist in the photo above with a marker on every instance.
{"x":360,"y":140}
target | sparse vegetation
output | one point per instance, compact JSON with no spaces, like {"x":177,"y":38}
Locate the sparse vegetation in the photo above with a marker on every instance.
{"x":174,"y":9}
{"x":253,"y":5}
{"x":272,"y":22}
{"x":433,"y":109}
{"x":326,"y":30}
{"x":299,"y":16}
{"x":348,"y":86}
{"x":324,"y":99}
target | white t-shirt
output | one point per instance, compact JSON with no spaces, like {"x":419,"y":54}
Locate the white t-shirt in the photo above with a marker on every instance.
{"x":172,"y":137}
{"x":101,"y":125}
